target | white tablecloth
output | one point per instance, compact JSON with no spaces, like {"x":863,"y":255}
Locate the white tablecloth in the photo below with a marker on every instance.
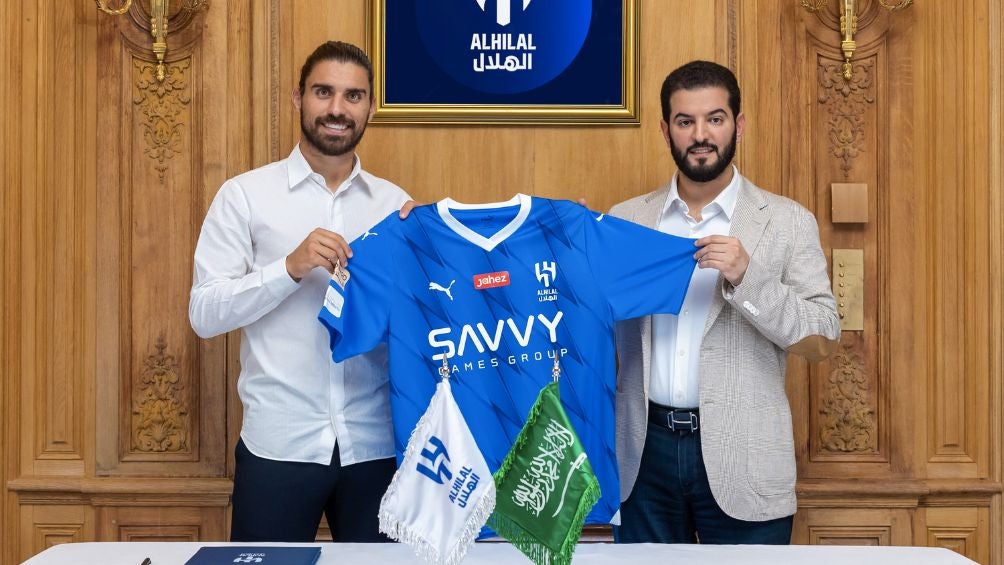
{"x":499,"y":553}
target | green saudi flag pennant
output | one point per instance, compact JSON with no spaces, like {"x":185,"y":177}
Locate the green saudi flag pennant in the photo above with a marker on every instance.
{"x":545,"y":487}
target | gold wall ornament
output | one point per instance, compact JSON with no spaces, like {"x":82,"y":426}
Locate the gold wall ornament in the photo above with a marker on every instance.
{"x":849,"y":25}
{"x":160,"y":415}
{"x":158,"y":23}
{"x":897,"y":6}
{"x":114,"y":11}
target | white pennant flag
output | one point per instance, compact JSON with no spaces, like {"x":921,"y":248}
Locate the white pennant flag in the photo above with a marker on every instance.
{"x":443,"y":492}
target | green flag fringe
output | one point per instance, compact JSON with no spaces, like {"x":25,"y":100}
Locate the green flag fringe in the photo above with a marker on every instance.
{"x":538,"y":552}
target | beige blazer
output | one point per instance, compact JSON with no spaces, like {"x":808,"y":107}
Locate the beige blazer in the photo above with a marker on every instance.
{"x":784,"y":304}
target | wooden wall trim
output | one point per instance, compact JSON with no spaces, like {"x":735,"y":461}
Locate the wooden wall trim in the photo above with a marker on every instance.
{"x":996,"y":211}
{"x":896,"y":492}
{"x":10,"y":80}
{"x":180,"y":486}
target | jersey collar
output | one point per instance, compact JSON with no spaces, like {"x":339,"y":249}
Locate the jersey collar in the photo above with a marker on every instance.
{"x":486,"y":243}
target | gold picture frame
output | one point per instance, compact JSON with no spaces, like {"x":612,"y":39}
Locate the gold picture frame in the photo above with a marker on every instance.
{"x":474,"y":111}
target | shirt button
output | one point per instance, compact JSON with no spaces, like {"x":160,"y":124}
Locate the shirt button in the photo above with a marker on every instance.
{"x":682,"y":354}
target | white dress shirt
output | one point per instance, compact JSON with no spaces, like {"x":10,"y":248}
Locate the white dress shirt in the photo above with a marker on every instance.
{"x":676,"y":340}
{"x":297,"y":401}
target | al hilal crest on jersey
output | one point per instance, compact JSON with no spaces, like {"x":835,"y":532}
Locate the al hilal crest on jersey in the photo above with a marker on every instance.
{"x":501,"y":290}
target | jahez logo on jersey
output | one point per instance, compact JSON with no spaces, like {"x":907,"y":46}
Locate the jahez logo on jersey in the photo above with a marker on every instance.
{"x":491,"y":280}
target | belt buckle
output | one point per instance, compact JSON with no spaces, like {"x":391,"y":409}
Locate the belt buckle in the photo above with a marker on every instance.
{"x":690,"y":424}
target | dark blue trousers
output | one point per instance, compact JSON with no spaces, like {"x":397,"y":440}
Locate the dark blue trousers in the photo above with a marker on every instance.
{"x":283,"y":500}
{"x":672,"y":502}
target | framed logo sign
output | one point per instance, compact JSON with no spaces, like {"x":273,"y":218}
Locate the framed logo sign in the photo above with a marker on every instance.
{"x":504,"y":61}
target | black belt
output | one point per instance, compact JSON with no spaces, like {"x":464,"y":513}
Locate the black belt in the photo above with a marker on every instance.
{"x":676,"y":419}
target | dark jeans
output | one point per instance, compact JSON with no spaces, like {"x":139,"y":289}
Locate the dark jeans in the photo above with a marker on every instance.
{"x":672,"y":501}
{"x":283,"y":500}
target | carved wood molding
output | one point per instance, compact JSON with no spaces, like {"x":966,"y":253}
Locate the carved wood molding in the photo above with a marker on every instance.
{"x":156,"y":523}
{"x":959,"y":540}
{"x":188,"y":492}
{"x":847,"y":104}
{"x":848,"y":423}
{"x":158,"y":533}
{"x":48,"y":535}
{"x":163,"y":105}
{"x":996,"y":253}
{"x":161,"y":421}
{"x":733,"y":37}
{"x":274,"y":77}
{"x":851,"y":535}
{"x":896,"y":493}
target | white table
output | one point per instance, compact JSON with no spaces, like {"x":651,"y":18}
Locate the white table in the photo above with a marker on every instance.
{"x":499,"y":553}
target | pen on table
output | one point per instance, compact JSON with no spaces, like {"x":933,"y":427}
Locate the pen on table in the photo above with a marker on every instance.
{"x":146,"y":561}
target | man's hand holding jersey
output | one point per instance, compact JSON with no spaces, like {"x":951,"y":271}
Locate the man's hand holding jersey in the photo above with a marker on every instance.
{"x":325,"y":248}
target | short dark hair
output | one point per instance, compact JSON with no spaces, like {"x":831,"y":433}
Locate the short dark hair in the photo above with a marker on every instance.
{"x":336,"y":51}
{"x":700,"y":74}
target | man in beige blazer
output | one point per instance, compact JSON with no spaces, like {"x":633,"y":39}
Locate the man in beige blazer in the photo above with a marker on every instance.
{"x":704,"y":436}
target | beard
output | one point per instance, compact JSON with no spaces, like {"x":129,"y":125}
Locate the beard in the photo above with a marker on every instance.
{"x":332,"y":146}
{"x":704,"y":172}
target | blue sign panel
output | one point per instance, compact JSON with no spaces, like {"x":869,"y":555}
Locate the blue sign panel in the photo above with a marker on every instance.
{"x":504,"y":52}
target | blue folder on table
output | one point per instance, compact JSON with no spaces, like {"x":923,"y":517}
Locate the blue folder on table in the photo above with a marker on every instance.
{"x":255,"y":555}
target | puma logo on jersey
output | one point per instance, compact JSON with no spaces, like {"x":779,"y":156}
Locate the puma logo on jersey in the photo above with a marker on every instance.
{"x":369,"y":233}
{"x":446,"y":290}
{"x":600,"y":217}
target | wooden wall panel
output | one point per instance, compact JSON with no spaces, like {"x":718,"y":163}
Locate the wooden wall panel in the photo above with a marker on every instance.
{"x":838,"y":526}
{"x":963,"y":530}
{"x":957,"y":183}
{"x":134,"y":523}
{"x":830,"y":134}
{"x":10,"y":167}
{"x":166,"y":383}
{"x":760,"y":152}
{"x":52,"y":262}
{"x":43,"y":526}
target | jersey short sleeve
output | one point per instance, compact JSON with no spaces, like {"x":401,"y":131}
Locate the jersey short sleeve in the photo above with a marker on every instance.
{"x":358,"y":296}
{"x":640,"y":270}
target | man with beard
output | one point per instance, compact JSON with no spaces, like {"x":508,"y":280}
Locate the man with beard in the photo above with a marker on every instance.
{"x":316,"y":435}
{"x":704,"y":438}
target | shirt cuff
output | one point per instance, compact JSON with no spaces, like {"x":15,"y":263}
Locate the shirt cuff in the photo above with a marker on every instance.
{"x":276,"y":279}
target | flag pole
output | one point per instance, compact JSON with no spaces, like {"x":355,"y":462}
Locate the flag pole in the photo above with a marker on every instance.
{"x":555,"y":371}
{"x":444,"y":371}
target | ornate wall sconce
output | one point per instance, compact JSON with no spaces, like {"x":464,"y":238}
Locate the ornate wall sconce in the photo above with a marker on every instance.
{"x":849,"y":24}
{"x":158,"y":23}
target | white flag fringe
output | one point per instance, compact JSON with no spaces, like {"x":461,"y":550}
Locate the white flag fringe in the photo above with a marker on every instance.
{"x":443,"y":493}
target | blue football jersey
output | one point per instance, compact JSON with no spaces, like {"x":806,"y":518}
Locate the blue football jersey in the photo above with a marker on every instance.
{"x":500,"y":290}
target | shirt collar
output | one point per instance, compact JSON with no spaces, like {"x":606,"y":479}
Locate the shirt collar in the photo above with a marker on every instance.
{"x":299,"y":171}
{"x":726,"y":199}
